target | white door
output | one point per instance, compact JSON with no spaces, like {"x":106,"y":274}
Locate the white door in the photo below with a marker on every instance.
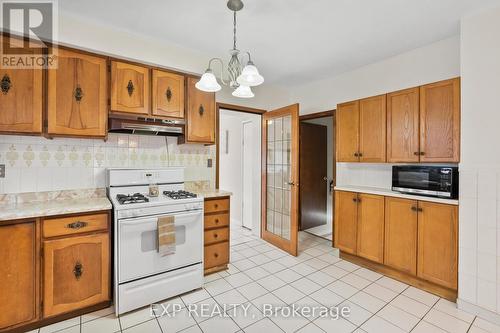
{"x":247,"y":184}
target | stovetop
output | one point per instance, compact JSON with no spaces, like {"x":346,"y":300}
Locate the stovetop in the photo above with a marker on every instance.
{"x":126,"y":199}
{"x":180,"y":194}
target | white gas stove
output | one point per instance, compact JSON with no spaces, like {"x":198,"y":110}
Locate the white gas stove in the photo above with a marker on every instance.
{"x":141,"y":275}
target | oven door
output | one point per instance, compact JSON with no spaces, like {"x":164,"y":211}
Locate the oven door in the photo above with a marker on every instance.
{"x":138,"y":245}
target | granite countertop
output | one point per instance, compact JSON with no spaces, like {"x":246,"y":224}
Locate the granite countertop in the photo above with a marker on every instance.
{"x":31,"y":205}
{"x":213,"y":193}
{"x":390,"y":193}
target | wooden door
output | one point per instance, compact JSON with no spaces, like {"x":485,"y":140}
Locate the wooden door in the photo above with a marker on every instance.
{"x":347,"y":132}
{"x":20,"y":98}
{"x":437,"y":243}
{"x":78,"y":95}
{"x":19,"y":277}
{"x":168,"y":94}
{"x":403,"y":126}
{"x":129,"y":88}
{"x":400,"y":250}
{"x":372,"y":129}
{"x":313,"y":175}
{"x":346,"y":221}
{"x":76,"y":273}
{"x":370,"y":233}
{"x":200,"y":114}
{"x":280,"y":177}
{"x":440,"y":121}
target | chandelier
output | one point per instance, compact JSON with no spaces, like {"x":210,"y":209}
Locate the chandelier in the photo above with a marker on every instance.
{"x":240,"y":80}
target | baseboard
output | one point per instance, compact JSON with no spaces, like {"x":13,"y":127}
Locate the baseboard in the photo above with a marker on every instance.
{"x":486,"y":314}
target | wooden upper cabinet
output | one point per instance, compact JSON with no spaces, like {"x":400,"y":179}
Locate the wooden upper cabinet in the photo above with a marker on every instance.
{"x":129,"y":88}
{"x":400,"y":251}
{"x":440,"y":121}
{"x":437,"y":243}
{"x":346,"y":220}
{"x":347,"y":132}
{"x":76,"y":273}
{"x":372,"y":129}
{"x":77,"y":95}
{"x":200,"y":114}
{"x":370,"y":233}
{"x":168,"y":94}
{"x":403,"y":126}
{"x":19,"y":276}
{"x":20,"y":98}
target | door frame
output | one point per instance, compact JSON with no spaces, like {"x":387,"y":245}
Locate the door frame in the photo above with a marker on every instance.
{"x":324,"y":114}
{"x":243,"y":123}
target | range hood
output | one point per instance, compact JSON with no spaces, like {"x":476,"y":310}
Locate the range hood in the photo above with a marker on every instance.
{"x":147,"y":126}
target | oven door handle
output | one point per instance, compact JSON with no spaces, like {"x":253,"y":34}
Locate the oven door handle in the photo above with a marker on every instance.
{"x":141,"y":219}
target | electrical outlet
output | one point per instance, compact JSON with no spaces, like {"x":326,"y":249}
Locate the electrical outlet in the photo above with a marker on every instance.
{"x":2,"y":170}
{"x":209,"y":163}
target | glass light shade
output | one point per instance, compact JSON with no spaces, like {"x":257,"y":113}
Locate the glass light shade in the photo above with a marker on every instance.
{"x":243,"y":92}
{"x":208,"y":82}
{"x":250,"y":76}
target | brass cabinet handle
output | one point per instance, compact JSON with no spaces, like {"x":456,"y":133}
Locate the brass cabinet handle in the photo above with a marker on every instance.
{"x":216,"y":255}
{"x":416,"y":153}
{"x":216,"y":205}
{"x":78,"y":270}
{"x":216,"y":221}
{"x":422,"y":153}
{"x":5,"y":84}
{"x":215,"y":235}
{"x":360,"y":154}
{"x":354,"y":200}
{"x":168,"y":93}
{"x":77,"y":225}
{"x":130,"y":87}
{"x":78,"y":93}
{"x":420,"y":209}
{"x":356,"y":154}
{"x":413,"y":208}
{"x":201,"y":110}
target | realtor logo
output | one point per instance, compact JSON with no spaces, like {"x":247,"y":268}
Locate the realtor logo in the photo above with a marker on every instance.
{"x":36,"y":21}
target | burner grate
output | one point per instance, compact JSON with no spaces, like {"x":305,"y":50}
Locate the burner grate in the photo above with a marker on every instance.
{"x":176,"y":195}
{"x":125,"y":199}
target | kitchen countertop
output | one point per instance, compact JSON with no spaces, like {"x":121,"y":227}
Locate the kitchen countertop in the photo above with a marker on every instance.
{"x":31,"y":205}
{"x":390,"y":193}
{"x":215,"y":193}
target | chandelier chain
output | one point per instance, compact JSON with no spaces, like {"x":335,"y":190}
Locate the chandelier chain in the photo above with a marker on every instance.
{"x":234,"y":30}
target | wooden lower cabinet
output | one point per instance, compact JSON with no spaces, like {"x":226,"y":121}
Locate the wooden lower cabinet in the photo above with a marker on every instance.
{"x":370,"y":236}
{"x":216,"y":234}
{"x":346,"y":217}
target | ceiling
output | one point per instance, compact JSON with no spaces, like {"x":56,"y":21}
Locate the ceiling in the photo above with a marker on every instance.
{"x":291,"y":41}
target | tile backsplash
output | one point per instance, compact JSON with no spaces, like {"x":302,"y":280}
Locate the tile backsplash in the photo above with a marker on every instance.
{"x":37,"y":164}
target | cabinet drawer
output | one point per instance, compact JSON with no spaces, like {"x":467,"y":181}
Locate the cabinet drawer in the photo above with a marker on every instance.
{"x":216,"y":235}
{"x":217,"y":205}
{"x":216,"y":220}
{"x":216,"y":255}
{"x":74,"y":224}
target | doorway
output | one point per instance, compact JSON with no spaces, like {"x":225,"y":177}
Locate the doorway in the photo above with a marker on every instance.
{"x":317,"y":170}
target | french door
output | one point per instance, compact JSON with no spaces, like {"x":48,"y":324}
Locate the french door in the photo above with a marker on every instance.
{"x":280,"y":177}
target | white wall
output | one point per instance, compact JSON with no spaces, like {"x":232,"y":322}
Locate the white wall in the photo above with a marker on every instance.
{"x":479,"y":228}
{"x":230,"y":164}
{"x":430,"y":63}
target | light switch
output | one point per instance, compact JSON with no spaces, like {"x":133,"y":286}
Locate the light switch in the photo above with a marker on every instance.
{"x":2,"y":170}
{"x":209,"y":163}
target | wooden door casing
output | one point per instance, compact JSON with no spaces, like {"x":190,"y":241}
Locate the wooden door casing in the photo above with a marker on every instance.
{"x":372,"y":129}
{"x":63,"y":260}
{"x":400,"y":251}
{"x":346,"y":221}
{"x":370,"y":229}
{"x":437,"y":243}
{"x":19,"y":273}
{"x":77,"y":95}
{"x":168,"y":94}
{"x":440,"y":121}
{"x":403,"y":126}
{"x":200,"y":114}
{"x":21,"y":104}
{"x":130,"y":88}
{"x":347,"y":132}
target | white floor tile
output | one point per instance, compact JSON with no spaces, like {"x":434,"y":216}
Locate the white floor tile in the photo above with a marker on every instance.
{"x":252,"y":290}
{"x":305,"y":285}
{"x":219,"y":324}
{"x":339,"y":325}
{"x":266,"y":300}
{"x":392,"y":284}
{"x":151,"y":326}
{"x":202,"y":310}
{"x":271,"y":282}
{"x":275,"y":254}
{"x":244,"y":317}
{"x":329,"y":258}
{"x":98,"y":314}
{"x":380,"y":292}
{"x":273,"y":267}
{"x":263,"y":326}
{"x":486,"y":325}
{"x":356,"y":281}
{"x":378,"y":325}
{"x":446,"y":322}
{"x":238,"y":279}
{"x":136,"y":317}
{"x":195,"y":296}
{"x":398,"y":317}
{"x":316,"y":263}
{"x":421,"y":296}
{"x":367,"y":301}
{"x":368,"y":274}
{"x":260,"y":259}
{"x":357,"y":314}
{"x":321,"y":278}
{"x":310,"y":328}
{"x":288,"y":275}
{"x":343,"y":289}
{"x":230,"y":298}
{"x":192,"y":329}
{"x":425,"y":327}
{"x":106,"y":324}
{"x":256,"y":273}
{"x":335,"y":271}
{"x":451,"y":309}
{"x":326,"y":297}
{"x":217,"y":287}
{"x":309,"y":303}
{"x":290,"y":324}
{"x":176,"y":322}
{"x":244,"y":264}
{"x":61,"y":325}
{"x":346,"y":265}
{"x":303,"y":269}
{"x":410,"y":305}
{"x":288,"y":294}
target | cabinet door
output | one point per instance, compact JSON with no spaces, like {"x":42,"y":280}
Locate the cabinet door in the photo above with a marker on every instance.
{"x":440,"y":121}
{"x":437,"y":243}
{"x":372,"y":129}
{"x":200,"y":120}
{"x":347,"y":132}
{"x":400,"y":250}
{"x":346,"y":220}
{"x":21,"y":98}
{"x":403,"y":126}
{"x":168,"y":94}
{"x":129,"y":88}
{"x":370,"y":242}
{"x":77,"y":95}
{"x":19,"y":274}
{"x":76,"y":273}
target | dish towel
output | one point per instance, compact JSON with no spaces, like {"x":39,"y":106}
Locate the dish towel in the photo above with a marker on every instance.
{"x":166,"y":235}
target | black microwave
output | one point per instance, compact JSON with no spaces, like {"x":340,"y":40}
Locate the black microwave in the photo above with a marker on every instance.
{"x":433,"y":181}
